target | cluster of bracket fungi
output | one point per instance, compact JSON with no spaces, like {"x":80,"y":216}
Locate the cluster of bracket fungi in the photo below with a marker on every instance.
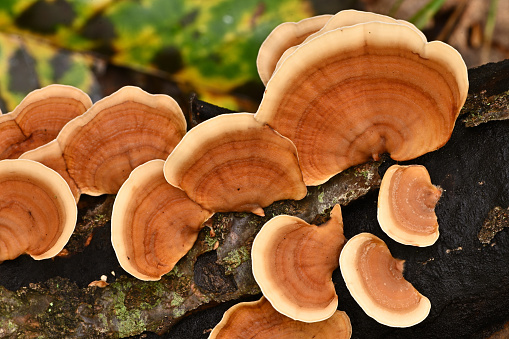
{"x":340,"y":90}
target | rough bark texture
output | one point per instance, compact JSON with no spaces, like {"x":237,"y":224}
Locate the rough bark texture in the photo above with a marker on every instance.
{"x":466,"y":279}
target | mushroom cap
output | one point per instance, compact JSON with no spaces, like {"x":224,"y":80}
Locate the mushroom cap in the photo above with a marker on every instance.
{"x":37,"y":210}
{"x":282,"y":37}
{"x":233,"y":163}
{"x":375,"y":280}
{"x":117,"y":134}
{"x":406,"y":205}
{"x":153,"y":224}
{"x":293,"y":263}
{"x":374,"y":87}
{"x":345,"y":18}
{"x":39,"y":118}
{"x":258,"y":319}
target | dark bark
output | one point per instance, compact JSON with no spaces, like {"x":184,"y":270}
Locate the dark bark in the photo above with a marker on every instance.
{"x":465,"y":276}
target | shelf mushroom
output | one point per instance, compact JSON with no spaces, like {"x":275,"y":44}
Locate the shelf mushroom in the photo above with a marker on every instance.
{"x":233,"y":163}
{"x":293,"y":263}
{"x":374,"y":87}
{"x":346,"y":18}
{"x":258,"y":319}
{"x":284,"y":36}
{"x":37,"y":210}
{"x":96,"y":152}
{"x":375,"y":280}
{"x":39,"y":118}
{"x":406,"y":205}
{"x":153,"y":224}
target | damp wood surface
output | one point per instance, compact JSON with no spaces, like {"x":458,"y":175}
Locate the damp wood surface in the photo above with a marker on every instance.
{"x":466,"y":278}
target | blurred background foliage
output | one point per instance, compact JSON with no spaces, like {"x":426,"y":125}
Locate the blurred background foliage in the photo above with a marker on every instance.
{"x":208,"y":47}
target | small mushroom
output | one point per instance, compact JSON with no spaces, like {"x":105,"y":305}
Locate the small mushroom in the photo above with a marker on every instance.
{"x":37,"y":210}
{"x":293,"y":263}
{"x":258,"y":319}
{"x":233,"y":163}
{"x":284,"y":36}
{"x":374,"y":87}
{"x":375,"y":280}
{"x":406,"y":205}
{"x":153,"y":224}
{"x":39,"y":118}
{"x":97,"y":151}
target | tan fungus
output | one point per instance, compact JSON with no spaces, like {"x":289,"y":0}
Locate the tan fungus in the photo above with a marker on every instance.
{"x":375,"y":280}
{"x":293,"y":263}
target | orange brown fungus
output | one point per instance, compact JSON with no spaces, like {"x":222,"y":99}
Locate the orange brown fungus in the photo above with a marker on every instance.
{"x":258,"y":319}
{"x":116,"y":135}
{"x":232,"y":163}
{"x":374,"y":87}
{"x":375,"y":280}
{"x":406,"y":205}
{"x":284,"y":36}
{"x":39,"y":118}
{"x":153,"y":224}
{"x":37,"y":210}
{"x":348,"y":18}
{"x":293,"y":263}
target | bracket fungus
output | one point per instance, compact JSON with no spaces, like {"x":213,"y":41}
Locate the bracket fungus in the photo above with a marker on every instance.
{"x":281,"y":38}
{"x":37,"y":210}
{"x":39,"y":118}
{"x":97,"y":151}
{"x":233,"y":163}
{"x":406,"y":205}
{"x":293,"y":263}
{"x":374,"y":87}
{"x":153,"y":224}
{"x":258,"y":319}
{"x":375,"y":280}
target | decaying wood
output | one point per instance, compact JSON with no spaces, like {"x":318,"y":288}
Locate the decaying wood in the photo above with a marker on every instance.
{"x":467,"y":281}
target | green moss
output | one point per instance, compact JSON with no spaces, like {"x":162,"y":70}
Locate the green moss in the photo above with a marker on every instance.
{"x":236,"y":257}
{"x":320,"y":197}
{"x":130,"y":321}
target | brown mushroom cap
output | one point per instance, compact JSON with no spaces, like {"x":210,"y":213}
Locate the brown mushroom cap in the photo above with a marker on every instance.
{"x":374,"y":87}
{"x":284,"y":36}
{"x":293,"y":263}
{"x":375,"y":280}
{"x":153,"y":224}
{"x":348,"y":18}
{"x":39,"y":118}
{"x":406,"y":205}
{"x":37,"y":210}
{"x":258,"y":319}
{"x":233,"y":163}
{"x":117,"y":134}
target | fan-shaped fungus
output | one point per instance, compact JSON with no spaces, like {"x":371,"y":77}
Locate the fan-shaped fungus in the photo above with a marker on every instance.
{"x":375,"y":280}
{"x":374,"y":87}
{"x":284,"y":36}
{"x":97,"y":151}
{"x":153,"y":224}
{"x":348,"y":18}
{"x":406,"y":205}
{"x":258,"y":319}
{"x":39,"y":118}
{"x":293,"y":263}
{"x":37,"y":210}
{"x":233,"y":163}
